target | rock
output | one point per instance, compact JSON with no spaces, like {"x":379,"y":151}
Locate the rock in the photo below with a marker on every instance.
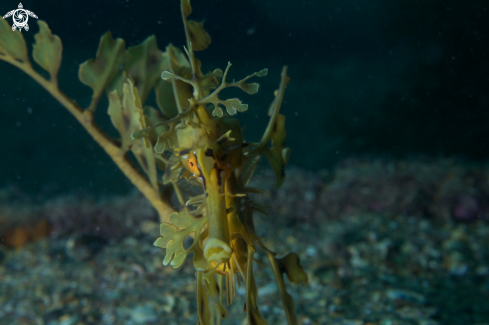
{"x":144,"y":314}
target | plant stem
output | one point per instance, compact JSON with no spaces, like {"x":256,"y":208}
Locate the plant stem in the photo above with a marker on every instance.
{"x":118,"y":155}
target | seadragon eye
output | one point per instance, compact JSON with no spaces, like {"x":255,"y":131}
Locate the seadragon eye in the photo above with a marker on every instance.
{"x":190,"y":162}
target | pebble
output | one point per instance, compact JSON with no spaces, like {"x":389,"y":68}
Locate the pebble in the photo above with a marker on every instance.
{"x":143,"y":314}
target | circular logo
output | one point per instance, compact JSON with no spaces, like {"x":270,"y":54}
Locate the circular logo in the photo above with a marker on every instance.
{"x":20,"y":17}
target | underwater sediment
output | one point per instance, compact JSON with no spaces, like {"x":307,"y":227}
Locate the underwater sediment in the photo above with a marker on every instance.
{"x":383,"y":242}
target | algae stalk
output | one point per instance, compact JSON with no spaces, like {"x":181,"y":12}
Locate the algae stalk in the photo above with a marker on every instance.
{"x":11,"y":44}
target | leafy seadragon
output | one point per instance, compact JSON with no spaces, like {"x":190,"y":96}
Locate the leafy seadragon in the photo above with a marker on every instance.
{"x":193,"y":138}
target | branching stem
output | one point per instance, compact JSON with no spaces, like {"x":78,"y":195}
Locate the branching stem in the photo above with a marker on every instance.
{"x":118,"y":155}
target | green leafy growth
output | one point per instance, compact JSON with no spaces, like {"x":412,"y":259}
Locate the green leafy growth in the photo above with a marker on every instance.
{"x":232,"y":105}
{"x":237,"y":227}
{"x":97,"y":73}
{"x":171,"y":122}
{"x":198,"y":35}
{"x":47,"y":50}
{"x":165,"y":98}
{"x":290,"y":265}
{"x":154,"y":117}
{"x":181,"y":225}
{"x":166,"y":140}
{"x":124,"y":114}
{"x":172,"y":95}
{"x":209,"y":80}
{"x":127,"y":116}
{"x":173,"y":169}
{"x":12,"y":43}
{"x":247,"y":170}
{"x":142,"y":64}
{"x":186,"y":8}
{"x":252,"y":310}
{"x":277,"y":154}
{"x":214,"y":292}
{"x":202,"y":301}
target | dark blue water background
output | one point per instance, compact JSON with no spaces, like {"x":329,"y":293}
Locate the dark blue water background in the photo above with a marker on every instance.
{"x":377,"y":78}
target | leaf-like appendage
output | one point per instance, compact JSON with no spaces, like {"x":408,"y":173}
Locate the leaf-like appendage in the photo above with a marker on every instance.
{"x":166,"y":140}
{"x":124,"y":116}
{"x":250,"y":88}
{"x":213,"y":291}
{"x":165,"y":75}
{"x":172,"y":94}
{"x":208,"y":81}
{"x":12,"y":43}
{"x":96,"y":73}
{"x":182,"y":225}
{"x":198,"y":35}
{"x":252,"y":310}
{"x":217,"y":111}
{"x":203,"y":309}
{"x":127,"y":116}
{"x":165,"y":98}
{"x":179,"y":63}
{"x":234,"y":105}
{"x":47,"y":50}
{"x":289,"y":265}
{"x":174,"y":247}
{"x":279,"y":93}
{"x":186,"y":8}
{"x":173,"y":167}
{"x":247,"y":170}
{"x":182,"y":220}
{"x":143,"y":65}
{"x":237,"y":227}
{"x":262,"y":73}
{"x":277,"y":154}
{"x":154,"y":117}
{"x":200,"y":262}
{"x":217,"y":73}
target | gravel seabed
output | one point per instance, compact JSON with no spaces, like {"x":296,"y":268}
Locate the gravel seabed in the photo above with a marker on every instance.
{"x":372,"y":258}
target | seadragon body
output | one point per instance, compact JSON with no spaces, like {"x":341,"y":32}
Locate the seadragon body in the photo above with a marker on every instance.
{"x":190,"y":139}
